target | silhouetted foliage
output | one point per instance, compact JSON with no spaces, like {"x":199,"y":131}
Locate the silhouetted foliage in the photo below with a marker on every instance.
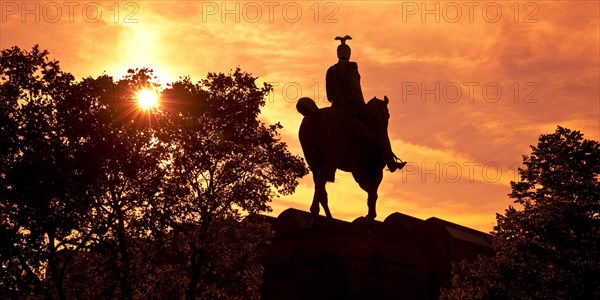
{"x":223,"y":161}
{"x":99,"y":199}
{"x":43,"y":186}
{"x":549,"y":248}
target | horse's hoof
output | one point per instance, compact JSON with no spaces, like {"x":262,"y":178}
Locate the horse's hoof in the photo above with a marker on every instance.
{"x":370,"y":224}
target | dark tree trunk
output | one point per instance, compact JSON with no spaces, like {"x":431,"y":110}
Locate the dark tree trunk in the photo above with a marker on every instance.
{"x":124,"y":270}
{"x":56,"y":274}
{"x":197,"y":259}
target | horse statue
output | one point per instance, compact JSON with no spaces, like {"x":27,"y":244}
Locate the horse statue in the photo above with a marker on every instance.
{"x":332,"y":139}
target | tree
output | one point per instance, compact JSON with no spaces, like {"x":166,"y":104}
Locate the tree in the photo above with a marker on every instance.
{"x":131,"y":176}
{"x":72,"y":170}
{"x":549,"y":247}
{"x":224,"y":162}
{"x":99,"y":199}
{"x":42,"y":192}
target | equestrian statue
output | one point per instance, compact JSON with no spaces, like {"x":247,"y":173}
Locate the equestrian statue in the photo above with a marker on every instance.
{"x":351,"y":135}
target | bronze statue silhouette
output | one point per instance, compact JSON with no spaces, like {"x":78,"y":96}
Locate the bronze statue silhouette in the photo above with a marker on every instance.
{"x":350,"y":135}
{"x":332,"y":139}
{"x":344,"y":91}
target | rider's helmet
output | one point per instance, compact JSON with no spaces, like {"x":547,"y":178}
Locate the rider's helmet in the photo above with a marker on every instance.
{"x":343,"y":50}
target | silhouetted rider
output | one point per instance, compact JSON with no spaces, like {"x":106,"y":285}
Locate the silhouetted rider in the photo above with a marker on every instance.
{"x":342,"y":84}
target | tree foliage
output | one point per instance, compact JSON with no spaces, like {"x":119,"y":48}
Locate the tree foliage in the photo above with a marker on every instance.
{"x":224,"y":160}
{"x":42,"y":184}
{"x":548,"y":248}
{"x":100,"y":199}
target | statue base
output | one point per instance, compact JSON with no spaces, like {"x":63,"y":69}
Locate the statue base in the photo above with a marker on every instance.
{"x":402,"y":258}
{"x":340,"y":260}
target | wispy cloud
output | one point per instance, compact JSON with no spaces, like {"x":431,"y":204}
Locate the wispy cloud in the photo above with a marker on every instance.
{"x":544,"y":61}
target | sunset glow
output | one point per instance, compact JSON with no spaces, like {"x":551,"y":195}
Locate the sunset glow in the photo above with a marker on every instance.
{"x":147,"y":99}
{"x":471,"y":85}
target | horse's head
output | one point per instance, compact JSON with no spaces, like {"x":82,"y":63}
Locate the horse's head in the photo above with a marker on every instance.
{"x":379,"y":109}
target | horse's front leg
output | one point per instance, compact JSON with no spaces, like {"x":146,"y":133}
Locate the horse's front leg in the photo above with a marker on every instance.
{"x":372,"y":199}
{"x":371,"y":203}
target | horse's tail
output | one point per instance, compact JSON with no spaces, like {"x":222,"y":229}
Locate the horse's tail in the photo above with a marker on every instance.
{"x":307,"y":107}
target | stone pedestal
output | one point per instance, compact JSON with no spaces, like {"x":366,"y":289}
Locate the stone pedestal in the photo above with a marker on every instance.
{"x":340,"y":260}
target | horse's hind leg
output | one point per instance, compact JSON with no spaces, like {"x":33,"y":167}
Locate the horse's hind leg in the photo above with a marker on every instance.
{"x":319,"y":193}
{"x":324,"y":202}
{"x":320,"y":196}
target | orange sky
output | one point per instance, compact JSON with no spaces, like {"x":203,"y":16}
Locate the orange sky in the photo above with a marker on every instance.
{"x":471,"y":84}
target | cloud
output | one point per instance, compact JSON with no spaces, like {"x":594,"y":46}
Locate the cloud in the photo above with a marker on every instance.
{"x":546,"y":70}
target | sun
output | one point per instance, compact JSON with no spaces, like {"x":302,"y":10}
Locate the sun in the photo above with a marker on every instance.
{"x":147,"y":98}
